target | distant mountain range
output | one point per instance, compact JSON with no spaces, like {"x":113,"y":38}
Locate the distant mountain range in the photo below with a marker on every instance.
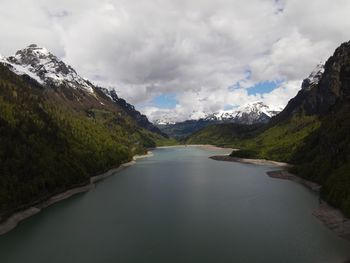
{"x":251,"y":113}
{"x":58,"y":129}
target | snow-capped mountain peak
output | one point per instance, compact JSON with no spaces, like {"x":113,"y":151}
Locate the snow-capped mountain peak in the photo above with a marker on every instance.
{"x":259,"y":107}
{"x":164,"y":121}
{"x":39,"y":64}
{"x":249,"y":113}
{"x":314,"y":77}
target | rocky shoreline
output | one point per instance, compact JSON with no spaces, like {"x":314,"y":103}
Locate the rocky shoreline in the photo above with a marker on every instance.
{"x":228,"y":158}
{"x":11,"y":222}
{"x":283,"y":174}
{"x":203,"y":146}
{"x":334,"y":219}
{"x":331,"y":217}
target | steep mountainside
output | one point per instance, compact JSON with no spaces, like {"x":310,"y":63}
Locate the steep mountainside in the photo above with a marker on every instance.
{"x":290,"y":126}
{"x":65,"y":84}
{"x":325,"y":154}
{"x":312,"y":132}
{"x":252,"y":113}
{"x":57,"y":129}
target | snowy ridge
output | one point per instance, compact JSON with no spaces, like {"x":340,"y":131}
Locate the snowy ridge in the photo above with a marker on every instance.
{"x":251,"y":113}
{"x":314,"y":77}
{"x":19,"y":70}
{"x":39,"y":64}
{"x":256,"y":112}
{"x":164,"y":121}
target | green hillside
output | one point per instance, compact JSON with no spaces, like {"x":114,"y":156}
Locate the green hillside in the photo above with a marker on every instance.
{"x":312,"y":132}
{"x":48,"y":147}
{"x":325,"y":157}
{"x":226,"y":135}
{"x":318,"y":147}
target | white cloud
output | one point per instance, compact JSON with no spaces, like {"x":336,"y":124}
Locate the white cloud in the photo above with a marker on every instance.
{"x":280,"y":96}
{"x":292,"y":57}
{"x":195,"y":49}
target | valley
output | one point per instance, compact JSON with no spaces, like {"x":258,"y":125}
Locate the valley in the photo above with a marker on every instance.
{"x":311,"y":132}
{"x":174,"y":131}
{"x":178,"y":205}
{"x":57,"y":130}
{"x":90,"y":129}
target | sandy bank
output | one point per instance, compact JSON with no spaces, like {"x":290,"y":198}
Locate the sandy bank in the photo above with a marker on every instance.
{"x":283,"y":174}
{"x":331,"y":217}
{"x":334,"y":219}
{"x":11,"y":222}
{"x":203,"y":146}
{"x":228,"y":158}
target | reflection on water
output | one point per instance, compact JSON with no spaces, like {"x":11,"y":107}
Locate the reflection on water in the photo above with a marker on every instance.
{"x":180,"y":206}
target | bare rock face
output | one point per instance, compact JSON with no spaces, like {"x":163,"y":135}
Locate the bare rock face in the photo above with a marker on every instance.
{"x":314,"y":78}
{"x":335,"y":83}
{"x":140,"y":119}
{"x":325,"y":87}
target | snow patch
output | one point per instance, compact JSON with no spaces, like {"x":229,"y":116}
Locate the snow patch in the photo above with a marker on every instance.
{"x":255,"y":112}
{"x":314,"y":78}
{"x":19,"y":70}
{"x":256,"y":108}
{"x":39,"y":64}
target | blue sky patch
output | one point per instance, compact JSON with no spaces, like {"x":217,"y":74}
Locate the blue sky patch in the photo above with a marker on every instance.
{"x":165,"y":101}
{"x":263,"y":87}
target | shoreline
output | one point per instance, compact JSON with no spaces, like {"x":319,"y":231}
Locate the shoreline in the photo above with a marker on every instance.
{"x":12,"y":221}
{"x":227,"y":158}
{"x":329,"y":216}
{"x":285,"y":175}
{"x":333,"y":219}
{"x":204,"y":146}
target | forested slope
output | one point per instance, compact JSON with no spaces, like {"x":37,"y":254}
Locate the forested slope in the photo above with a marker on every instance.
{"x":312,"y":132}
{"x":51,"y":141}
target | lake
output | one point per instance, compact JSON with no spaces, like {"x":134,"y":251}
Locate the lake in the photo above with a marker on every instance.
{"x":180,"y":206}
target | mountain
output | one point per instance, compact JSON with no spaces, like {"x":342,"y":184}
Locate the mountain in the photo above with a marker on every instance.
{"x":223,"y":134}
{"x":42,"y":66}
{"x":251,"y":113}
{"x":306,"y":99}
{"x":181,"y":130}
{"x":48,"y":70}
{"x":248,"y":114}
{"x":140,"y":119}
{"x":312,"y":132}
{"x":58,"y":129}
{"x":290,"y":126}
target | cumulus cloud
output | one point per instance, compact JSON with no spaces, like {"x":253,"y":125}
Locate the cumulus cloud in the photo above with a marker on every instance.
{"x":200,"y":50}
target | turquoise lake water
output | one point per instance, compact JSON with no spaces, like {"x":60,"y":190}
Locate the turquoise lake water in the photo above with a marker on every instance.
{"x":180,"y":206}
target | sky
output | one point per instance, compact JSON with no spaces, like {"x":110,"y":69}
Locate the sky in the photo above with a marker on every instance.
{"x":177,"y":58}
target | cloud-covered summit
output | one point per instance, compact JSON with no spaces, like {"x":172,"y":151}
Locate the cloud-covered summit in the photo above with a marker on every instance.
{"x":206,"y":54}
